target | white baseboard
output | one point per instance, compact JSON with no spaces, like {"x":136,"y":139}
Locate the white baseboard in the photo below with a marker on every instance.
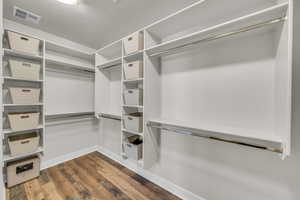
{"x":165,"y":184}
{"x":67,"y":157}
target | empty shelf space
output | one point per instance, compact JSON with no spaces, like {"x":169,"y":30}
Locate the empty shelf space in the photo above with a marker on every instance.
{"x":132,"y":132}
{"x":24,"y":55}
{"x":111,"y":63}
{"x":52,"y":46}
{"x":18,"y":79}
{"x":257,"y":20}
{"x":71,"y":65}
{"x":8,"y":131}
{"x":224,"y":134}
{"x":8,"y":158}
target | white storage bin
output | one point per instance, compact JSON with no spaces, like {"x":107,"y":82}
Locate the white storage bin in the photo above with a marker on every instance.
{"x":134,"y":122}
{"x":23,"y":121}
{"x":134,"y":43}
{"x":24,"y":70}
{"x":22,"y":170}
{"x":25,"y":95}
{"x":133,"y":97}
{"x":133,"y":70}
{"x":23,"y":43}
{"x":133,"y":150}
{"x":22,"y":144}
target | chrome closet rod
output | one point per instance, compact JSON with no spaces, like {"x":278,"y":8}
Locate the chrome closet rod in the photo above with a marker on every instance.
{"x":108,"y":116}
{"x":223,"y":35}
{"x":186,"y":131}
{"x":70,"y":115}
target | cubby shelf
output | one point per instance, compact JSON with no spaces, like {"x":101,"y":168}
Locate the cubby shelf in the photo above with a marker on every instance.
{"x":24,"y":55}
{"x":9,"y":131}
{"x":22,"y":105}
{"x":239,"y":25}
{"x":139,"y":80}
{"x":8,"y":158}
{"x":134,"y":56}
{"x":133,"y":106}
{"x":19,"y":79}
{"x":132,"y":132}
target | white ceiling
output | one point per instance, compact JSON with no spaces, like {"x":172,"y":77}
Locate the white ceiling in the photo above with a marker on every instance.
{"x":95,"y":23}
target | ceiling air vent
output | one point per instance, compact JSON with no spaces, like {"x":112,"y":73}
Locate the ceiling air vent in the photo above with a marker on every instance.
{"x":26,"y":15}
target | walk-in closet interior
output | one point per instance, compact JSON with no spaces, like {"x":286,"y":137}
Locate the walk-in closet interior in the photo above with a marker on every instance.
{"x":150,"y":100}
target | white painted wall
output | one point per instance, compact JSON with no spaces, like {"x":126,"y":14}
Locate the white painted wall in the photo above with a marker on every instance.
{"x":220,"y":171}
{"x":65,"y":93}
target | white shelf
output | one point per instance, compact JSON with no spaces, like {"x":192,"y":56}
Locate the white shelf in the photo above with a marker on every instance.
{"x":222,"y":132}
{"x":133,"y":106}
{"x":19,"y":79}
{"x":132,"y":132}
{"x":274,"y":12}
{"x":111,"y":63}
{"x":139,"y":80}
{"x":110,"y":116}
{"x":8,"y":131}
{"x":134,"y":56}
{"x":8,"y":158}
{"x":65,"y":64}
{"x":22,"y":54}
{"x":16,"y":105}
{"x":52,"y":46}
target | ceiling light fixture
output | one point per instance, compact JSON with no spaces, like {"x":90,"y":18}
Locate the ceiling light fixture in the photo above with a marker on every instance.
{"x":72,"y":2}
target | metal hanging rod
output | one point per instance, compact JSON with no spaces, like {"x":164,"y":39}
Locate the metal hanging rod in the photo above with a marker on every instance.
{"x":223,"y":35}
{"x":70,"y":116}
{"x":110,"y":116}
{"x":274,"y":146}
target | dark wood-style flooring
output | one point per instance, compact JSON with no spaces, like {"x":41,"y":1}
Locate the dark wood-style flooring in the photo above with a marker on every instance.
{"x":90,"y":177}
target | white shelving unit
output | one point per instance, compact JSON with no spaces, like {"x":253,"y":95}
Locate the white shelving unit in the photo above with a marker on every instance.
{"x":222,"y":68}
{"x":9,"y":107}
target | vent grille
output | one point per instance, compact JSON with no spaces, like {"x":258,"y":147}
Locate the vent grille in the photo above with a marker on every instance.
{"x":26,"y":15}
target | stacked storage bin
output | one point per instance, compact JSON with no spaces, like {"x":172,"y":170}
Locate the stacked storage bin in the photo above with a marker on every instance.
{"x":133,"y":71}
{"x":23,"y":95}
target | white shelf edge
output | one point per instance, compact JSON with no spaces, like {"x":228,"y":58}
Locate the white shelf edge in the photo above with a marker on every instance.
{"x":8,"y":158}
{"x":22,"y":54}
{"x":15,"y":105}
{"x":132,"y":132}
{"x":135,"y":55}
{"x":66,"y":47}
{"x":133,"y":106}
{"x":133,"y":80}
{"x":64,"y":63}
{"x":219,"y":132}
{"x":8,"y":131}
{"x":208,"y":30}
{"x":19,"y":79}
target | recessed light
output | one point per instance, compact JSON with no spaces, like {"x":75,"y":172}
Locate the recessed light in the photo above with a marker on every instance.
{"x":72,"y":2}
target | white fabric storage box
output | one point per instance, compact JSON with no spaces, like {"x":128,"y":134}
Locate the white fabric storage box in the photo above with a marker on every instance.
{"x":133,"y":70}
{"x":134,"y":122}
{"x":25,"y":95}
{"x":23,"y":121}
{"x":134,"y":43}
{"x":24,"y":70}
{"x":133,"y":151}
{"x":133,"y":97}
{"x":24,"y":143}
{"x":23,"y":43}
{"x":22,"y":170}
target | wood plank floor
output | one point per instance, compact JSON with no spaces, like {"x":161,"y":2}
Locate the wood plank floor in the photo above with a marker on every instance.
{"x":90,"y":177}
